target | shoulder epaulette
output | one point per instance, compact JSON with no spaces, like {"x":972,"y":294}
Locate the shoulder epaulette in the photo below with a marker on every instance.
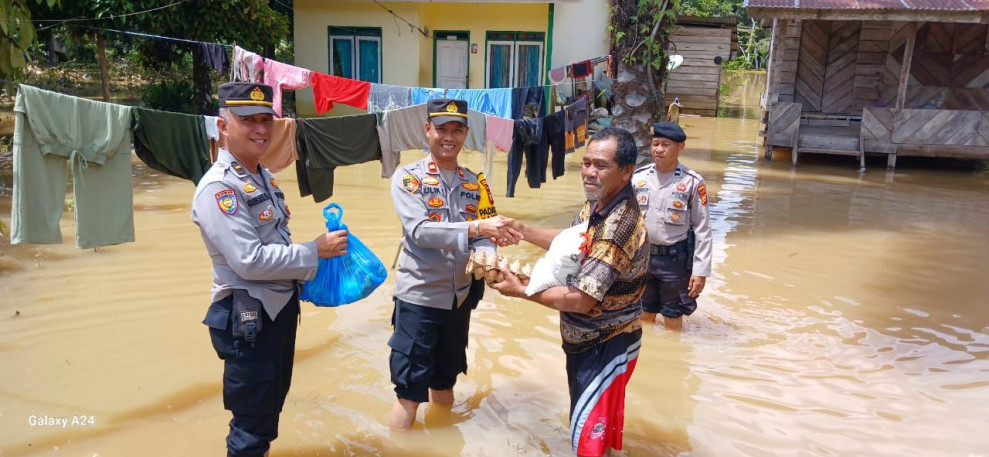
{"x":643,"y":168}
{"x":238,"y":169}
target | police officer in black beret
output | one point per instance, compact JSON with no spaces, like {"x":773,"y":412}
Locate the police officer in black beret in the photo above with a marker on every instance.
{"x":243,"y":219}
{"x":673,"y":200}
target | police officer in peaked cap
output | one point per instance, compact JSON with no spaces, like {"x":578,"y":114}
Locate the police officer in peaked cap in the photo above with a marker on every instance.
{"x":242,"y":216}
{"x":439,"y":205}
{"x":673,"y":200}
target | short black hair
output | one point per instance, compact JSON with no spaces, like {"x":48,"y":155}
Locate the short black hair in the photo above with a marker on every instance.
{"x":627,"y":151}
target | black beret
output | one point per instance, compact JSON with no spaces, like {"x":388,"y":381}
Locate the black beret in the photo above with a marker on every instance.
{"x":443,"y":110}
{"x":668,"y":130}
{"x":245,"y":99}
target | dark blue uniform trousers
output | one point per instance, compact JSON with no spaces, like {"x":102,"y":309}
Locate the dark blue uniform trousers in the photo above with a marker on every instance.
{"x":667,"y":283}
{"x":256,"y":376}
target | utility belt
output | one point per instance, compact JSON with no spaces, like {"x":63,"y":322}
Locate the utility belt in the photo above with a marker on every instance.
{"x":673,"y":249}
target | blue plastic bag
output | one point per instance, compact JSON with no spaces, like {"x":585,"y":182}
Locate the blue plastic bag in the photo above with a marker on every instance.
{"x":347,"y":278}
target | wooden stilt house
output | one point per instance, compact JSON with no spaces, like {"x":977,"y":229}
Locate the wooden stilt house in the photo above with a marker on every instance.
{"x":893,"y":77}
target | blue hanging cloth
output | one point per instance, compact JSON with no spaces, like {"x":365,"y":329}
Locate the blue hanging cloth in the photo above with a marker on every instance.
{"x":347,"y":278}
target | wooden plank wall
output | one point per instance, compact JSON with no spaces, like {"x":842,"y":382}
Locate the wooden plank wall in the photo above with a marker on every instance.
{"x":791,"y":52}
{"x":950,"y":67}
{"x":697,"y":80}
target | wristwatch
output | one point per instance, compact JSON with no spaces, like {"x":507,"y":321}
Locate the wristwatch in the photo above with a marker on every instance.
{"x":477,"y":227}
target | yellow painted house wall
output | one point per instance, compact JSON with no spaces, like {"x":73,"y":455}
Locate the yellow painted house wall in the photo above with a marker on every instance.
{"x":478,"y":19}
{"x":407,"y":56}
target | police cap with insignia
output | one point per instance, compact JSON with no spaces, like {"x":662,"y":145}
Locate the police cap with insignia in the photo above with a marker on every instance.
{"x":443,"y":110}
{"x":668,"y":130}
{"x":246,"y":99}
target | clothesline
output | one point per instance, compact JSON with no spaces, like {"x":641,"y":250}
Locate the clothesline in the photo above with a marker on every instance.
{"x":53,"y":125}
{"x":159,"y":37}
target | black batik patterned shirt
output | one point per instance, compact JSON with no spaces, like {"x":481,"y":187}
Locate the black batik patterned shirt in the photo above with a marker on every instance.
{"x":614,"y":273}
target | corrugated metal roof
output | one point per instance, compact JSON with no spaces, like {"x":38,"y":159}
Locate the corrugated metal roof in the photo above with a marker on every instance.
{"x":893,"y":5}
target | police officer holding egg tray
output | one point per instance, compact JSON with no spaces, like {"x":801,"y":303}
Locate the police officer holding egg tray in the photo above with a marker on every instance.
{"x":673,"y":200}
{"x":243,"y":219}
{"x":439,"y":205}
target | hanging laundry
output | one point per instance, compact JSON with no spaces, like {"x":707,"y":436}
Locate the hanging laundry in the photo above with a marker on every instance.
{"x":581,"y":70}
{"x":425,"y":94}
{"x":215,"y":56}
{"x":246,"y":65}
{"x":283,"y":76}
{"x":404,"y":129}
{"x":556,"y":129}
{"x":490,"y":101}
{"x":527,"y":102}
{"x":327,"y":143}
{"x":384,"y":97}
{"x":576,"y":124}
{"x":328,"y":89}
{"x":95,"y":139}
{"x":401,"y":130}
{"x":558,"y":75}
{"x":172,"y":143}
{"x":282,"y":152}
{"x":530,"y":143}
{"x":500,"y":132}
{"x":212,"y":132}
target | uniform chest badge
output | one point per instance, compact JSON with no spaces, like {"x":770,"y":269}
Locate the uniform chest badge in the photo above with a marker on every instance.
{"x":471,"y":209}
{"x":431,"y":181}
{"x":677,"y":173}
{"x":677,"y":204}
{"x":248,"y":187}
{"x":641,"y":183}
{"x":469,"y":218}
{"x":435,"y":202}
{"x":432,"y":168}
{"x":410,"y":183}
{"x":470,"y":186}
{"x":265,"y":215}
{"x":643,"y":199}
{"x":434,"y":217}
{"x":227,"y":201}
{"x":274,"y":182}
{"x":460,"y":171}
{"x":702,"y":192}
{"x":681,"y":186}
{"x":675,"y":217}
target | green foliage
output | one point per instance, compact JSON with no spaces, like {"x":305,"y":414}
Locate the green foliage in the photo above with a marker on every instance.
{"x":174,"y":96}
{"x":17,"y":34}
{"x":711,"y":8}
{"x":640,"y":31}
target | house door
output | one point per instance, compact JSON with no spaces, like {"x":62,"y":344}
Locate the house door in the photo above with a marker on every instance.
{"x":826,"y":67}
{"x":451,"y":61}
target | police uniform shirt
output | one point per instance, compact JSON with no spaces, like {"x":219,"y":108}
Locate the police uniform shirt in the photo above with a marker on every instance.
{"x":243,"y":219}
{"x":672,"y":203}
{"x":435,"y":219}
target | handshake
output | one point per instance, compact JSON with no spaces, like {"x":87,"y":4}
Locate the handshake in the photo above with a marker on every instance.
{"x":503,"y":231}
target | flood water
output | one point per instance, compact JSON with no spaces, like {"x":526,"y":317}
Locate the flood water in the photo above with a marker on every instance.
{"x":846,"y":316}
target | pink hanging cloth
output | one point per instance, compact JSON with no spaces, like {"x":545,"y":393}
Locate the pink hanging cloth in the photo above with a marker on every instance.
{"x":283,"y":76}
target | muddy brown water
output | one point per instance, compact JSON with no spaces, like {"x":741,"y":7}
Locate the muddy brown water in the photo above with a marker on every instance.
{"x":846,"y":316}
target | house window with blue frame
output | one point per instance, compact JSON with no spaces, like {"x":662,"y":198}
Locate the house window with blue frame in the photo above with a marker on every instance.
{"x":514,"y":59}
{"x":355,"y":52}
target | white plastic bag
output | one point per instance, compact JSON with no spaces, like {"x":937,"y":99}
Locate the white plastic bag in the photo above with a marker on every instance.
{"x":561,"y":262}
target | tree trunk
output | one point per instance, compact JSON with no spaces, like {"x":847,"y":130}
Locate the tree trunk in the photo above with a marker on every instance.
{"x":104,"y":72}
{"x":202,"y":84}
{"x":637,"y":105}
